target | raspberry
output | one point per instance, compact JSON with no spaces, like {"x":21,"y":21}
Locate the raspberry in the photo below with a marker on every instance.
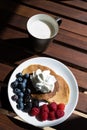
{"x":53,"y":106}
{"x":61,"y":106}
{"x":44,"y":116}
{"x":59,"y":113}
{"x":34,"y":111}
{"x":51,"y":115}
{"x":48,"y":112}
{"x":44,"y":108}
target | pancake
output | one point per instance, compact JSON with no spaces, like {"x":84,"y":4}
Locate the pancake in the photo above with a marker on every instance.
{"x":61,"y":90}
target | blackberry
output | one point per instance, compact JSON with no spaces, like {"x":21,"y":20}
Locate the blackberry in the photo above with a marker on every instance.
{"x":35,"y":102}
{"x":28,"y":107}
{"x":14,"y":97}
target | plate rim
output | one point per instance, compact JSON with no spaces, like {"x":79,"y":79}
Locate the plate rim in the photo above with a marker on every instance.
{"x":51,"y":59}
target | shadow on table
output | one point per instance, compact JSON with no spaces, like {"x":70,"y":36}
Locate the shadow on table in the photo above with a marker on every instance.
{"x":7,"y":9}
{"x":13,"y":50}
{"x":78,"y":123}
{"x":5,"y":14}
{"x":74,"y":124}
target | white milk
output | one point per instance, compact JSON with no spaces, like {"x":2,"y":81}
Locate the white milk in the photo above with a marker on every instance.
{"x":40,"y":29}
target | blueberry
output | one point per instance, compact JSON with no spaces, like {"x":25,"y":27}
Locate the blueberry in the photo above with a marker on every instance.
{"x":20,"y":100}
{"x":20,"y":106}
{"x":25,"y":81}
{"x":23,"y":90}
{"x":23,"y":85}
{"x":14,"y":84}
{"x":26,"y":76}
{"x":20,"y":94}
{"x":19,"y":79}
{"x":18,"y":75}
{"x":17,"y":91}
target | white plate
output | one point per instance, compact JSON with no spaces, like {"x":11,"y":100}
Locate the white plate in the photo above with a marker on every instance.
{"x":60,"y":69}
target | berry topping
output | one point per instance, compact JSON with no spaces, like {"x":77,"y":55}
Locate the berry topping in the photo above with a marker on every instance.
{"x":51,"y":115}
{"x":61,"y":106}
{"x":34,"y":111}
{"x":53,"y":106}
{"x":44,"y":116}
{"x":44,"y":108}
{"x":59,"y":113}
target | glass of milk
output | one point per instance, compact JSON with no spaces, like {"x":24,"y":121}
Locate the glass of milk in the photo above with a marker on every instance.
{"x":42,"y":28}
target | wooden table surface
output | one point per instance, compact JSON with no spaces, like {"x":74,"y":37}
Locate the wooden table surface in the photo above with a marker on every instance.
{"x":69,"y":47}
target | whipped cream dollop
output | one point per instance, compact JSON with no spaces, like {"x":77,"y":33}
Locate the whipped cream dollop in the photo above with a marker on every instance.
{"x":43,"y":81}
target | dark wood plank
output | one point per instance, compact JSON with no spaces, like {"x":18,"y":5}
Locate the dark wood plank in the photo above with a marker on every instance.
{"x":74,"y":122}
{"x":78,"y":4}
{"x":4,"y":71}
{"x":8,"y":123}
{"x":59,"y":9}
{"x":81,"y":78}
{"x":71,"y":39}
{"x":74,"y":27}
{"x":68,"y":55}
{"x":82,"y":103}
{"x":12,"y":33}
